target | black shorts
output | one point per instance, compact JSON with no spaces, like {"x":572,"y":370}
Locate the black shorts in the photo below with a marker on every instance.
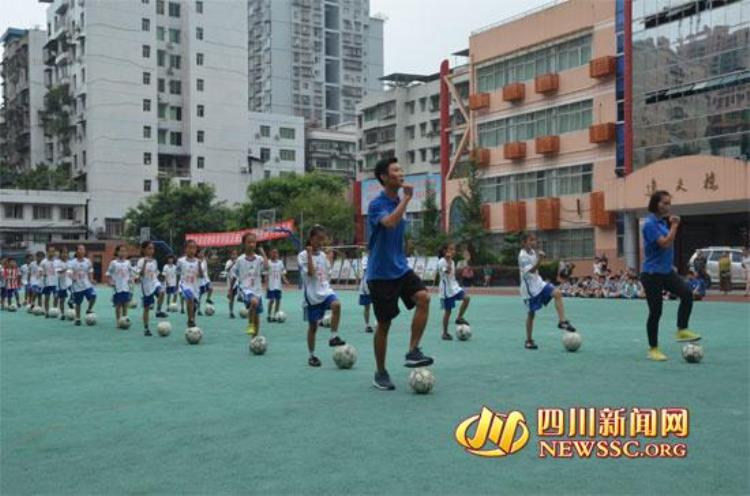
{"x":386,"y":292}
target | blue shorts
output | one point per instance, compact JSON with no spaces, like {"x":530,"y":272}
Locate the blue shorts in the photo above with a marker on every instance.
{"x":273,"y":294}
{"x":187,"y":294}
{"x":89,"y":294}
{"x":151,"y":299}
{"x":450,"y":303}
{"x":49,"y":290}
{"x":62,"y":293}
{"x":206,"y":288}
{"x":10,"y":293}
{"x":540,"y":300}
{"x":28,"y":289}
{"x":121,"y":298}
{"x":36,"y":289}
{"x":171,"y":290}
{"x":364,"y":299}
{"x":249,"y":295}
{"x":3,"y":292}
{"x":313,"y":313}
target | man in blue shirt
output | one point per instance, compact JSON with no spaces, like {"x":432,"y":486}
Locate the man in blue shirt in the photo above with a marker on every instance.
{"x":659,"y":231}
{"x":388,"y":274}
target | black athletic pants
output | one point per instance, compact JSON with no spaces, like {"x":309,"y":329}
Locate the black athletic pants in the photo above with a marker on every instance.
{"x":654,"y":285}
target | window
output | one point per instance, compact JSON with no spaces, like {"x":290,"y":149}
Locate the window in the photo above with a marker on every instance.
{"x":145,"y":24}
{"x":267,"y":174}
{"x":42,"y":212}
{"x":160,"y":33}
{"x":287,"y":155}
{"x":174,"y":9}
{"x":200,"y":110}
{"x":200,"y":136}
{"x":161,"y":57}
{"x":175,"y":138}
{"x":199,"y":84}
{"x":198,"y":58}
{"x":147,"y":156}
{"x":201,"y":162}
{"x":265,"y":154}
{"x":174,"y":61}
{"x":410,"y":107}
{"x":175,"y":86}
{"x":199,"y":33}
{"x":145,"y":2}
{"x":146,"y":78}
{"x":265,"y":131}
{"x":560,"y":181}
{"x":422,"y":104}
{"x":286,"y":132}
{"x":160,"y":7}
{"x":67,"y":213}
{"x":146,"y":49}
{"x":147,"y":185}
{"x":175,"y":113}
{"x":174,"y":35}
{"x":161,"y":83}
{"x":113,"y":227}
{"x":14,"y":211}
{"x":199,"y":6}
{"x":162,"y":137}
{"x":410,"y":132}
{"x":147,"y":132}
{"x":162,"y":110}
{"x":146,"y":105}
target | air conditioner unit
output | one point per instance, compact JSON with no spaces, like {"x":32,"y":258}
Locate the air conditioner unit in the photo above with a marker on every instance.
{"x":276,"y":137}
{"x":170,"y":45}
{"x":257,"y":135}
{"x":277,"y":159}
{"x":243,"y":170}
{"x":170,"y":71}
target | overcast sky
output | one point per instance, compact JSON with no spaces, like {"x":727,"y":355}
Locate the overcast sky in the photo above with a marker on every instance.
{"x":418,"y":33}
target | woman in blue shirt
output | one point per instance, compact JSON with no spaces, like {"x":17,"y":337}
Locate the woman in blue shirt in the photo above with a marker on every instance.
{"x":659,"y":231}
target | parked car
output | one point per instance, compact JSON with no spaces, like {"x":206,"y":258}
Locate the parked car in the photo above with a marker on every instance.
{"x":713,"y":253}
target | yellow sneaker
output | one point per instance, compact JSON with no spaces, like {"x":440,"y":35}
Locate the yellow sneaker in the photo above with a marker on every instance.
{"x":687,"y":335}
{"x":251,"y":330}
{"x":656,"y":355}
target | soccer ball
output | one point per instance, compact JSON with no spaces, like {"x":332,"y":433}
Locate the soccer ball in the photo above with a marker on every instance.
{"x":692,"y":353}
{"x":193,"y":335}
{"x":325,"y":321}
{"x":571,"y":341}
{"x":133,"y":304}
{"x":421,"y":380}
{"x":124,"y":323}
{"x":70,"y":314}
{"x":280,"y":317}
{"x":54,"y":313}
{"x":210,"y":310}
{"x":12,"y":307}
{"x":463,"y":332}
{"x":244,"y":313}
{"x":173,"y":307}
{"x":30,"y":308}
{"x":258,"y":345}
{"x":345,"y":356}
{"x":38,"y":310}
{"x":164,"y":328}
{"x":90,"y":319}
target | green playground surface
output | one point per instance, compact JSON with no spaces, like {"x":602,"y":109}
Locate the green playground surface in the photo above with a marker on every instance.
{"x":95,"y":410}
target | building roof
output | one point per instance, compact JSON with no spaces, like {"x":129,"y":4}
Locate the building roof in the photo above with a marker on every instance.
{"x":13,"y":33}
{"x":405,"y":78}
{"x":462,"y":53}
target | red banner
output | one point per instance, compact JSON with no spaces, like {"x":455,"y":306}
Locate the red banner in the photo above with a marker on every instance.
{"x":234,"y":238}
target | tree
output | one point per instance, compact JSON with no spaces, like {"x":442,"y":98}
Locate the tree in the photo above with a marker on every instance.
{"x":430,"y":237}
{"x":177,"y":211}
{"x":319,"y":206}
{"x":41,"y":177}
{"x":472,"y":233}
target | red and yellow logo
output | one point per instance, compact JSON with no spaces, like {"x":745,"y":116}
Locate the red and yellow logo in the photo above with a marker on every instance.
{"x":495,"y":434}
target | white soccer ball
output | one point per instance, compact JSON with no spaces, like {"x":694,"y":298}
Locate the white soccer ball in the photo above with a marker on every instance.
{"x":345,"y":356}
{"x":325,"y":321}
{"x":38,"y":310}
{"x":90,"y":319}
{"x":463,"y":332}
{"x":164,"y":328}
{"x":12,"y":307}
{"x":244,"y":313}
{"x":193,"y":335}
{"x":133,"y":304}
{"x":70,"y":314}
{"x":209,"y":310}
{"x":280,"y":316}
{"x":54,"y":313}
{"x":30,"y":308}
{"x":692,"y":353}
{"x":572,"y":341}
{"x":173,"y":307}
{"x":258,"y":345}
{"x":124,"y":323}
{"x":421,"y":380}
